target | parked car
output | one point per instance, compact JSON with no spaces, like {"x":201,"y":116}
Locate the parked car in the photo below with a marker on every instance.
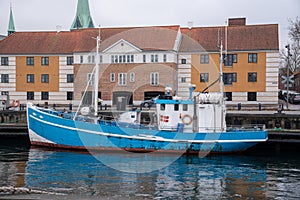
{"x":281,"y":95}
{"x":147,"y":103}
{"x":294,"y":98}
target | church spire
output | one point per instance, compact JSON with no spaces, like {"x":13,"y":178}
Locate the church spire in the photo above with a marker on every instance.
{"x":83,"y":17}
{"x":11,"y":24}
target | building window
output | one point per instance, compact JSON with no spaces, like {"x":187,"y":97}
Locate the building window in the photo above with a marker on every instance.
{"x":229,"y":78}
{"x":228,"y":96}
{"x":165,"y":58}
{"x":122,"y":79}
{"x":252,"y":58}
{"x":112,"y":59}
{"x":144,"y":58}
{"x":252,"y":77}
{"x":100,"y":59}
{"x":251,"y":96}
{"x":90,"y":79}
{"x":70,"y":60}
{"x":70,"y":78}
{"x":30,"y":61}
{"x":112,"y":77}
{"x":229,"y":59}
{"x":4,"y":93}
{"x":132,"y":77}
{"x":30,"y":78}
{"x":4,"y":78}
{"x":122,"y":58}
{"x":45,"y":95}
{"x":183,"y":79}
{"x":203,"y":77}
{"x":30,"y":95}
{"x":69,"y":95}
{"x":204,"y":59}
{"x":4,"y":61}
{"x":45,"y":78}
{"x":45,"y":61}
{"x":93,"y":59}
{"x":154,"y":77}
{"x":154,"y":58}
{"x":81,"y":59}
{"x":183,"y":61}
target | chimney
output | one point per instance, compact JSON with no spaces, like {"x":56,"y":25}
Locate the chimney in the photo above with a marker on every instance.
{"x":190,"y":24}
{"x":237,"y":21}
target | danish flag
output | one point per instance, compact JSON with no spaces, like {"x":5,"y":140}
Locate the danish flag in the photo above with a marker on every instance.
{"x":164,"y":118}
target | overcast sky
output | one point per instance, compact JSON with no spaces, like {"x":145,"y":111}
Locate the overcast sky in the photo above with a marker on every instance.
{"x":41,"y":15}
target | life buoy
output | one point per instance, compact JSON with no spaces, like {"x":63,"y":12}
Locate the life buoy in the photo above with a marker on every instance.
{"x":15,"y":103}
{"x":186,"y":119}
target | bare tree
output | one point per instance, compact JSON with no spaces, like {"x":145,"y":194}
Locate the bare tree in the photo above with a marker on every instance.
{"x":294,"y":57}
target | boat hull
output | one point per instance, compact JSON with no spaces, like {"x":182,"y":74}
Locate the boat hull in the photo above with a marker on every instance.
{"x":46,"y":129}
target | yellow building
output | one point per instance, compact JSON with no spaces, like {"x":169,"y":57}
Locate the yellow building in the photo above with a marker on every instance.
{"x":250,"y":60}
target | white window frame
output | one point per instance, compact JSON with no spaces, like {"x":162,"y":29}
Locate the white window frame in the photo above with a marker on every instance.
{"x":122,"y":79}
{"x":88,"y":78}
{"x":154,"y":78}
{"x":132,"y":77}
{"x":165,"y":58}
{"x":112,"y":77}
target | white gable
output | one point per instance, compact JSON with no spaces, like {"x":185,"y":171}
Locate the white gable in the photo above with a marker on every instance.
{"x":122,"y":46}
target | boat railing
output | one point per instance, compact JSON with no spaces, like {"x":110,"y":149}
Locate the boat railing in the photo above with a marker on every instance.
{"x":246,"y":127}
{"x":125,"y":125}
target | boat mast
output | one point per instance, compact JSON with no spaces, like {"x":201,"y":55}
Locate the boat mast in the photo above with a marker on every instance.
{"x":221,"y":70}
{"x":96,"y":76}
{"x":221,"y":83}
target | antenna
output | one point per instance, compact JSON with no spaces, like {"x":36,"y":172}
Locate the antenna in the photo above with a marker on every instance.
{"x":221,"y":63}
{"x":226,"y":36}
{"x":190,"y":24}
{"x":58,"y":28}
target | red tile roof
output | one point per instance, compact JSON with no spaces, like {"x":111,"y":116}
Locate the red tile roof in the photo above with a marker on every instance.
{"x":148,"y":38}
{"x":240,"y":38}
{"x":68,"y":42}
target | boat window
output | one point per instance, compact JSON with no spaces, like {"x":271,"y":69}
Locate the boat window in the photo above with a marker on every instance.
{"x":176,"y":107}
{"x":185,"y":107}
{"x":162,"y":106}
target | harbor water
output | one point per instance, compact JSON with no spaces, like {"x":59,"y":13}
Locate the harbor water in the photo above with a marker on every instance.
{"x":34,"y":173}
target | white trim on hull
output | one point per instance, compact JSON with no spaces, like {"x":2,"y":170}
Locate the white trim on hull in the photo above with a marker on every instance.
{"x":34,"y":137}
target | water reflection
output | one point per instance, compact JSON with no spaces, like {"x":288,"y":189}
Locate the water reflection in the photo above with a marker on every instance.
{"x":83,"y":174}
{"x":12,"y":166}
{"x":216,"y":177}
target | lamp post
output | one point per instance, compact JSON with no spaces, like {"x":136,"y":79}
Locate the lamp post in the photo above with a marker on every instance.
{"x":288,"y":75}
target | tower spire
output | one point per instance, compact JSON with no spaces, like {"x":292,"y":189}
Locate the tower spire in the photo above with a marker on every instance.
{"x":83,"y":17}
{"x":11,"y":24}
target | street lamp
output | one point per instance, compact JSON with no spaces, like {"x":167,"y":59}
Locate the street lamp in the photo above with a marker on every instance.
{"x":288,"y":74}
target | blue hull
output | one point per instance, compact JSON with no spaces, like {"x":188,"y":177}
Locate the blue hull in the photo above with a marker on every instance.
{"x":48,"y":129}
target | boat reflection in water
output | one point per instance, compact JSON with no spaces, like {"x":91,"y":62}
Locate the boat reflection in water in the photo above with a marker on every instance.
{"x":82,"y":174}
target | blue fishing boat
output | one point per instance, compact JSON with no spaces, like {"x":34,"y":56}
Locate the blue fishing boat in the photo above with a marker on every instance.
{"x":193,"y":125}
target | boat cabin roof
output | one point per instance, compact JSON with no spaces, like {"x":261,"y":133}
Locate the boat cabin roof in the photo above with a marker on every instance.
{"x":173,"y":101}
